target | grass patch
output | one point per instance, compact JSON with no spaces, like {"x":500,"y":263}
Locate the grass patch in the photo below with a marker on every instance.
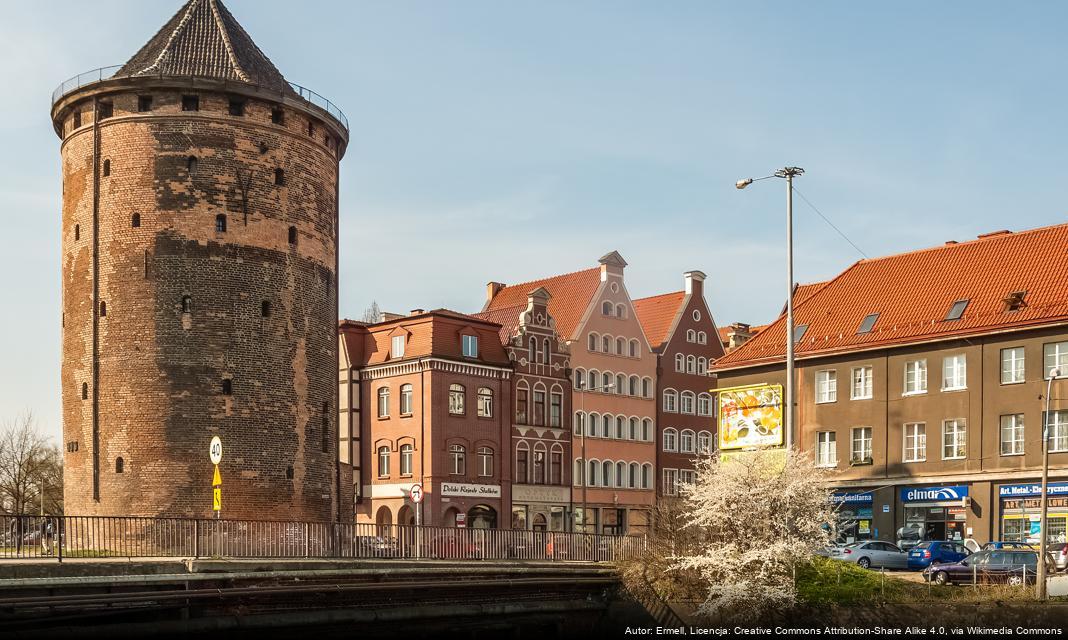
{"x":824,"y":581}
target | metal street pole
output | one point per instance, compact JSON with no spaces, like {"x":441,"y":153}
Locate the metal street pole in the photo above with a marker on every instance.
{"x":1040,"y":585}
{"x":790,"y":172}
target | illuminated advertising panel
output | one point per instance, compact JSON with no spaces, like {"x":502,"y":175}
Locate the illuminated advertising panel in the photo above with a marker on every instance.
{"x":750,"y":416}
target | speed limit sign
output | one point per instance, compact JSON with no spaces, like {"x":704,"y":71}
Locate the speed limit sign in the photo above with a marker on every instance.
{"x":215,"y":450}
{"x":416,"y":493}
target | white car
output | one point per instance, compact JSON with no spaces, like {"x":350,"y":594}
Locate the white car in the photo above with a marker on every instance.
{"x":872,"y":553}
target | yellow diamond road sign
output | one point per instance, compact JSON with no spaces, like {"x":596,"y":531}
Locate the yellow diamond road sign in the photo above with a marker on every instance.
{"x":217,"y":480}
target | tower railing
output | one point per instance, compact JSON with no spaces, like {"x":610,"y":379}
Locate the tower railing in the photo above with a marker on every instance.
{"x":106,"y":73}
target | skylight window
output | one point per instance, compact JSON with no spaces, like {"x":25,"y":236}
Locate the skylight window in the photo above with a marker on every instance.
{"x":799,"y":332}
{"x":957,"y":310}
{"x":868,"y":323}
{"x":1015,"y":301}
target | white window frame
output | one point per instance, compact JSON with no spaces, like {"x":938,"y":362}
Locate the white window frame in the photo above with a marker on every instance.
{"x":470,"y":346}
{"x":917,"y":433}
{"x":687,"y":435}
{"x":406,"y":393}
{"x":826,"y":449}
{"x":918,"y":368}
{"x":955,"y":372}
{"x":671,"y":401}
{"x":1012,"y":365}
{"x":407,"y":454}
{"x":1058,"y":431}
{"x":954,"y":439}
{"x":397,"y":346}
{"x":1054,"y":354}
{"x":863,"y":436}
{"x":1013,"y":424}
{"x":672,"y":445}
{"x":687,"y":402}
{"x":383,"y":402}
{"x":671,"y":482}
{"x":826,"y":386}
{"x":861,"y":387}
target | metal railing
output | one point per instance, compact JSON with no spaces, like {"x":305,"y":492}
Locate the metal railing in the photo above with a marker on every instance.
{"x":106,"y":73}
{"x":141,"y":537}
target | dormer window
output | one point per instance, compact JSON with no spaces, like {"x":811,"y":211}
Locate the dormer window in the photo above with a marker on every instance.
{"x":957,"y":310}
{"x":396,"y":348}
{"x":868,"y":323}
{"x":1015,"y":301}
{"x":470,"y":346}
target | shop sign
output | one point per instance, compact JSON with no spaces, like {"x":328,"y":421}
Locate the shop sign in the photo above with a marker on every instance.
{"x":536,"y":493}
{"x":471,"y":490}
{"x":1018,"y":490}
{"x":845,"y":497}
{"x":933,"y":494}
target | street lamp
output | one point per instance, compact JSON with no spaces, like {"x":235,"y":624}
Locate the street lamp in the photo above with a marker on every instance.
{"x":585,"y":428}
{"x":789,"y":173}
{"x":1041,"y":582}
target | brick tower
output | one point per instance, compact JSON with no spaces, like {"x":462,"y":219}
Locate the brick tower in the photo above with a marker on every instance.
{"x":200,"y":218}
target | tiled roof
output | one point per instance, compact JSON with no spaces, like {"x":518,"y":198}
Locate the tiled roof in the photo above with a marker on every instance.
{"x":571,"y":294}
{"x":724,"y":332}
{"x":432,"y":333}
{"x":507,"y":317}
{"x":203,"y":39}
{"x":657,"y":314}
{"x":913,"y":292}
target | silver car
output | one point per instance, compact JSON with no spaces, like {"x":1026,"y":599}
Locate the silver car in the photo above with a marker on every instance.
{"x":1059,"y":551}
{"x":873,"y":553}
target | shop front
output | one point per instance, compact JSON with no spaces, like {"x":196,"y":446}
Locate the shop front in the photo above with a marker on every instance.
{"x":854,"y":515}
{"x":1021,"y":512}
{"x":475,"y":506}
{"x":540,"y":507}
{"x":934,"y":513}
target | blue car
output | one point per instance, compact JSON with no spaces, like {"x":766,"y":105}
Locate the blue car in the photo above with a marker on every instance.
{"x":922,"y":555}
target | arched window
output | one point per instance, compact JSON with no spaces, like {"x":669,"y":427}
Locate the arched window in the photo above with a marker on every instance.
{"x":265,"y":309}
{"x":539,"y":464}
{"x":107,"y":168}
{"x":691,"y":364}
{"x":702,"y":337}
{"x":191,"y":164}
{"x":458,"y":458}
{"x":704,"y":404}
{"x":456,"y":399}
{"x":556,"y":407}
{"x":383,"y":402}
{"x":383,"y":462}
{"x":406,"y":399}
{"x":621,"y":312}
{"x":647,"y":476}
{"x":606,"y":308}
{"x":621,"y":427}
{"x":85,"y":391}
{"x":135,"y":220}
{"x":533,"y":349}
{"x":634,"y":348}
{"x":595,"y":423}
{"x":606,"y":344}
{"x":671,"y":440}
{"x":103,"y":308}
{"x":647,"y":430}
{"x":556,"y":464}
{"x":580,"y":422}
{"x":485,"y":462}
{"x":120,"y":465}
{"x":686,"y":441}
{"x":704,"y":442}
{"x":293,"y":236}
{"x":580,"y":379}
{"x":687,"y":402}
{"x":595,"y":380}
{"x":537,"y":409}
{"x":279,"y":177}
{"x":227,"y":387}
{"x":691,"y":335}
{"x":187,"y":304}
{"x":647,"y":387}
{"x":635,"y":386}
{"x":621,"y":474}
{"x":680,"y":362}
{"x":522,"y":397}
{"x":545,"y":352}
{"x":607,"y":475}
{"x":579,"y":472}
{"x":671,"y":400}
{"x":606,"y":382}
{"x":621,"y":347}
{"x":634,"y":429}
{"x":220,"y":223}
{"x":406,"y":451}
{"x":702,"y":366}
{"x":485,"y":402}
{"x":606,"y":425}
{"x":621,"y":384}
{"x":635,"y":476}
{"x":593,"y":473}
{"x":592,"y":343}
{"x":522,"y":462}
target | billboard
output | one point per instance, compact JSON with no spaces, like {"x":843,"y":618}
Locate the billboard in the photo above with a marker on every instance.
{"x":750,"y":416}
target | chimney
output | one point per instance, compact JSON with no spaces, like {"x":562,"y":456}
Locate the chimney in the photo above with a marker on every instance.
{"x":416,"y":312}
{"x":695,"y":283}
{"x":387,"y":316}
{"x":737,"y":334}
{"x":492,"y":289}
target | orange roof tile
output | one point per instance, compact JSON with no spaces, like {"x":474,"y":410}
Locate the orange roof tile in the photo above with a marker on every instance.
{"x":433,"y":333}
{"x":507,"y":317}
{"x":571,"y":294}
{"x":912,"y":293}
{"x":657,"y":315}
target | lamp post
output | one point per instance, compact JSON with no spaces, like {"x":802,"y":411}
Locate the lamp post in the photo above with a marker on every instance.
{"x":585,"y":428}
{"x":1040,"y":585}
{"x":788,"y":173}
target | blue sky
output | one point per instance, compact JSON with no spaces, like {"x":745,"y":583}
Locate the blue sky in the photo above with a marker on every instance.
{"x":512,"y":140}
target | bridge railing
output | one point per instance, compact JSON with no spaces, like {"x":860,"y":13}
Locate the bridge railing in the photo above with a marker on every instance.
{"x":139,"y":537}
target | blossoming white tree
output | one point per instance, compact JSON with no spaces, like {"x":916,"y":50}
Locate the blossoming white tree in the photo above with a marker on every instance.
{"x":755,"y":517}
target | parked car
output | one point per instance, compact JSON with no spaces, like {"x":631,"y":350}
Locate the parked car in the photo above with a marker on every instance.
{"x":872,"y":553}
{"x":1059,"y":551}
{"x":1008,"y":566}
{"x":375,"y":547}
{"x":1005,"y":544}
{"x":922,"y":555}
{"x":453,"y":547}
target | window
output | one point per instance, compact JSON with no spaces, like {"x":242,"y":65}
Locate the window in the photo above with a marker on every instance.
{"x":671,"y":482}
{"x":860,"y":450}
{"x":686,"y":402}
{"x":85,"y":391}
{"x":383,"y":402}
{"x":634,"y":386}
{"x":77,"y":232}
{"x":1012,"y":435}
{"x":544,"y":350}
{"x":606,"y":382}
{"x":647,"y":387}
{"x":826,"y":449}
{"x":580,"y":379}
{"x":1055,"y":356}
{"x":954,"y":374}
{"x":470,"y":346}
{"x":265,"y":309}
{"x":957,"y":310}
{"x":485,"y":461}
{"x":954,"y":440}
{"x":406,"y":399}
{"x":621,"y":384}
{"x":621,"y":312}
{"x":634,"y":481}
{"x":237,"y":107}
{"x":671,"y":399}
{"x":704,"y":405}
{"x":592,"y":343}
{"x":579,"y":472}
{"x":144,"y":103}
{"x":103,"y":308}
{"x":1012,"y":365}
{"x":485,"y":402}
{"x":647,"y":476}
{"x":522,"y":462}
{"x":107,"y":168}
{"x":556,"y":465}
{"x":556,"y":409}
{"x":670,"y":440}
{"x":228,"y":387}
{"x":191,"y":165}
{"x":521,"y":406}
{"x":826,"y":386}
{"x":396,"y":346}
{"x":538,"y":409}
{"x":606,"y":426}
{"x":533,"y":350}
{"x":862,"y":383}
{"x":691,"y":335}
{"x":704,"y":442}
{"x":607,"y":472}
{"x":293,"y":235}
{"x":696,"y":315}
{"x":580,"y":423}
{"x":538,"y":466}
{"x":406,"y":459}
{"x":702,"y":337}
{"x":593,"y":472}
{"x":120,"y":465}
{"x":606,"y":308}
{"x":634,"y":348}
{"x":916,"y":377}
{"x":289,"y":474}
{"x":868,"y":323}
{"x":691,"y":364}
{"x":799,"y":332}
{"x":635,"y":430}
{"x":77,"y":122}
{"x":606,"y":344}
{"x":187,"y":304}
{"x":458,"y":457}
{"x":686,"y":441}
{"x":456,"y":399}
{"x":279,"y":177}
{"x":190,"y":103}
{"x":1058,"y":430}
{"x":383,"y":462}
{"x":278,"y":115}
{"x":647,"y":430}
{"x":680,"y":362}
{"x":915,"y":442}
{"x":621,"y":427}
{"x":135,"y":220}
{"x":702,"y":366}
{"x":621,"y":347}
{"x":220,"y":223}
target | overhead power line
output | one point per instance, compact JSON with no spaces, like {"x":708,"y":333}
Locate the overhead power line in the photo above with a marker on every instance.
{"x":833,"y":226}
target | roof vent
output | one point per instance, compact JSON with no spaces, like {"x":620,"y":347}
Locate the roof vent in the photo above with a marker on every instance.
{"x":416,"y":312}
{"x":868,"y":323}
{"x":999,"y":232}
{"x":957,"y":310}
{"x":1015,"y":301}
{"x":949,"y":242}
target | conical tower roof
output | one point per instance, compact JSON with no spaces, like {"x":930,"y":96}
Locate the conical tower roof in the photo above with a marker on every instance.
{"x":204,"y":39}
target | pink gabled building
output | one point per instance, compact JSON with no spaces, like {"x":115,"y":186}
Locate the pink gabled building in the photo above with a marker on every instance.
{"x":613,"y":393}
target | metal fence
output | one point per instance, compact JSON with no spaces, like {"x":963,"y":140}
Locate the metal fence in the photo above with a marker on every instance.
{"x":136,"y":537}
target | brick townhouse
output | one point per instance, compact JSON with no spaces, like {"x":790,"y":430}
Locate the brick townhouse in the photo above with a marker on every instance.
{"x":921,"y":382}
